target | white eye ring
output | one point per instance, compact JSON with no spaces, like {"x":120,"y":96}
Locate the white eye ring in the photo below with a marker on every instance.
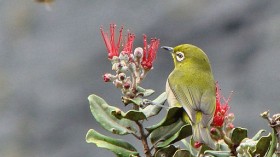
{"x":180,"y":56}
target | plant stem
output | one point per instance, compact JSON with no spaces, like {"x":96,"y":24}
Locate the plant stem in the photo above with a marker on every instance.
{"x":277,"y":134}
{"x":274,"y":123}
{"x":227,"y":140}
{"x":143,"y":137}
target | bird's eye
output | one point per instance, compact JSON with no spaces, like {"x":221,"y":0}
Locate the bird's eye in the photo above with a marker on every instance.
{"x":180,"y":56}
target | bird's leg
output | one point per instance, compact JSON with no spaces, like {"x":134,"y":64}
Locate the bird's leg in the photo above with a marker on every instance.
{"x":147,"y":102}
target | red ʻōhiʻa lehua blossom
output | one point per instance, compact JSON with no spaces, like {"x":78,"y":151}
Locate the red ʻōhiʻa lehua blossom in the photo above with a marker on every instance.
{"x":149,"y":52}
{"x":221,"y":109}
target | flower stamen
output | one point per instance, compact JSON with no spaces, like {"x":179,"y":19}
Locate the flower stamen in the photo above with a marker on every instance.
{"x":149,"y":52}
{"x":111,"y":46}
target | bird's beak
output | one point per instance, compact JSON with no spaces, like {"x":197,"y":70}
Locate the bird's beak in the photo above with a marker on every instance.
{"x":170,"y":49}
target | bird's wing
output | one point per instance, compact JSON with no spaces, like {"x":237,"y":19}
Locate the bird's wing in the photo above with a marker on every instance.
{"x":193,"y":101}
{"x":172,"y":100}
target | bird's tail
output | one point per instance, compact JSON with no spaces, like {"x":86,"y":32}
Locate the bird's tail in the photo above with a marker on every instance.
{"x":202,"y":134}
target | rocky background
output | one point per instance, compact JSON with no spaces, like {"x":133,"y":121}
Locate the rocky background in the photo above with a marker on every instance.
{"x":50,"y":61}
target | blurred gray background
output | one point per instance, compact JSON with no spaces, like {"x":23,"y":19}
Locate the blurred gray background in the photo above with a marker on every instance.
{"x":50,"y":61}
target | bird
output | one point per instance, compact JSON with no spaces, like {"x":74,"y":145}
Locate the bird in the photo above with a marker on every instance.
{"x":191,"y":85}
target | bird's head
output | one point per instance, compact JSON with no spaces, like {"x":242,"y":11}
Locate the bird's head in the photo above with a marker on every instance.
{"x":187,"y":56}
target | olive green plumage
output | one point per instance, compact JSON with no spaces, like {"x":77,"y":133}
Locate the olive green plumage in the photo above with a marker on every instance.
{"x":191,"y":85}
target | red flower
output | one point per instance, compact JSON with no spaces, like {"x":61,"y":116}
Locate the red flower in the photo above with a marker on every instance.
{"x":149,"y":52}
{"x":112,"y":47}
{"x":127,"y":49}
{"x":221,"y":109}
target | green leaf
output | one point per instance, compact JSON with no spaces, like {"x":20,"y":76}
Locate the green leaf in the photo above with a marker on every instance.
{"x":184,"y":132}
{"x":203,"y":148}
{"x":189,"y":147}
{"x":262,"y":146}
{"x":152,"y":110}
{"x":164,"y":132}
{"x":102,"y":113}
{"x":133,"y":115}
{"x":217,"y":153}
{"x":258,"y":135}
{"x":148,"y":92}
{"x":222,"y":146}
{"x":145,"y":92}
{"x":255,"y":147}
{"x":238,"y":134}
{"x":142,"y":114}
{"x":166,"y":151}
{"x":137,"y":101}
{"x":274,"y":155}
{"x":246,"y":147}
{"x":117,"y":146}
{"x":172,"y":116}
{"x":182,"y":153}
{"x":273,"y":144}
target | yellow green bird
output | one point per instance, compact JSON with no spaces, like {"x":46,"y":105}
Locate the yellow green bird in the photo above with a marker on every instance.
{"x":191,"y":85}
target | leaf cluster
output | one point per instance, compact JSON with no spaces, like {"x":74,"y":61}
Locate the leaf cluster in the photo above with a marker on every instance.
{"x":169,"y":131}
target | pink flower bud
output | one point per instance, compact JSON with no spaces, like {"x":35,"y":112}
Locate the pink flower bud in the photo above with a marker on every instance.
{"x":230,"y":116}
{"x":197,"y":144}
{"x":213,"y":130}
{"x":107,"y":77}
{"x":230,"y":126}
{"x":126,"y":85}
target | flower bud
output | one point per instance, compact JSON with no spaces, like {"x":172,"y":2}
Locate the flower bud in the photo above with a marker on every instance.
{"x":115,"y":66}
{"x":121,"y":76}
{"x":126,"y":85}
{"x":118,"y":111}
{"x":138,"y":52}
{"x":213,"y":131}
{"x":197,"y":144}
{"x":124,"y":57}
{"x":230,"y":117}
{"x":230,"y":126}
{"x":107,"y":77}
{"x":114,"y":60}
{"x":122,"y":67}
{"x":117,"y":83}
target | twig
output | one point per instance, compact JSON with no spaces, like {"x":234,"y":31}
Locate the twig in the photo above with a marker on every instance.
{"x":136,"y":136}
{"x":227,"y":140}
{"x":144,"y":139}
